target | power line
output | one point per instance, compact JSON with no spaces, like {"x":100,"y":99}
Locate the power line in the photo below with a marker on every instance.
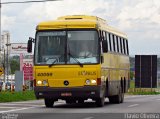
{"x":23,"y":2}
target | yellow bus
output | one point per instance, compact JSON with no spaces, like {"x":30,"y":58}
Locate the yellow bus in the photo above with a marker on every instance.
{"x":80,"y":57}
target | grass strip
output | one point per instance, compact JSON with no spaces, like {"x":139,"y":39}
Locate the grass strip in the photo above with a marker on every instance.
{"x":143,"y":93}
{"x":17,"y":96}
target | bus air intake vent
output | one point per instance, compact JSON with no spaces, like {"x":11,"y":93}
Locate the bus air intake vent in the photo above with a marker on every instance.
{"x":72,"y":18}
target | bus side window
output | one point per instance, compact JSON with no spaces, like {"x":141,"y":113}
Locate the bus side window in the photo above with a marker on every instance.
{"x":104,"y":42}
{"x":127,"y":47}
{"x":117,"y":43}
{"x":113,"y":43}
{"x":124,"y":46}
{"x":121,"y":45}
{"x":108,"y":41}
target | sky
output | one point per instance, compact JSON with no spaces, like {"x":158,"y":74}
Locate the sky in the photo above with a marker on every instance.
{"x":139,"y":19}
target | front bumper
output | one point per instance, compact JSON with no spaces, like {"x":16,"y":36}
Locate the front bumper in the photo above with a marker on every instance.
{"x":85,"y":92}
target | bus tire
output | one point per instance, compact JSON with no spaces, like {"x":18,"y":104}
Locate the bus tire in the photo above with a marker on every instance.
{"x":80,"y":101}
{"x":117,"y":98}
{"x":100,"y":102}
{"x":48,"y":102}
{"x":70,"y":101}
{"x":111,"y":99}
{"x":122,"y":97}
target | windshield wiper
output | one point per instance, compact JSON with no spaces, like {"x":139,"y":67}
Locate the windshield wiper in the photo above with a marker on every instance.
{"x":80,"y":64}
{"x":53,"y":63}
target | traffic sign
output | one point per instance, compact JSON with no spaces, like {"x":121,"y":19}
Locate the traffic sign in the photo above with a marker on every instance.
{"x":1,"y":71}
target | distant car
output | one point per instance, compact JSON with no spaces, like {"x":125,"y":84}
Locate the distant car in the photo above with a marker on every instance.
{"x":8,"y":85}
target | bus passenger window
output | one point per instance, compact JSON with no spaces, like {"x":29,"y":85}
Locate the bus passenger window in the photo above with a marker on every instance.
{"x":121,"y":44}
{"x":117,"y":43}
{"x":113,"y":40}
{"x":104,"y":46}
{"x":104,"y":43}
{"x":108,"y":41}
{"x":112,"y":43}
{"x":127,"y":47}
{"x":124,"y":46}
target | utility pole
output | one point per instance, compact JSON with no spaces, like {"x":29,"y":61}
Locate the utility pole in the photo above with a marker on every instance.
{"x":0,"y":29}
{"x":0,"y":25}
{"x":7,"y":45}
{"x":4,"y":59}
{"x":4,"y":62}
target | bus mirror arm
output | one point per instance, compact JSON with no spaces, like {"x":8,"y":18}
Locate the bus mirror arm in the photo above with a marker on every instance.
{"x":102,"y":59}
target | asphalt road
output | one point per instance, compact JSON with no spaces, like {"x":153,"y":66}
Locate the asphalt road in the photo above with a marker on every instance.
{"x":136,"y":106}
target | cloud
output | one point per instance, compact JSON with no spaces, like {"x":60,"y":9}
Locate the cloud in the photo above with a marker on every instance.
{"x":52,"y":10}
{"x":145,"y":10}
{"x":7,"y":22}
{"x":139,"y":19}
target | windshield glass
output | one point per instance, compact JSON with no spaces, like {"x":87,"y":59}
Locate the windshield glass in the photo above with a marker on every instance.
{"x":83,"y":45}
{"x":66,"y":47}
{"x":50,"y":47}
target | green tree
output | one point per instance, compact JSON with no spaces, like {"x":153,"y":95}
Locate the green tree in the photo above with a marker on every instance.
{"x":131,"y":75}
{"x":14,"y":64}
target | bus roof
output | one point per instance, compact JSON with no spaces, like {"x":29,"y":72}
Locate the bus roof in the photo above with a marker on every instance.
{"x":79,"y":21}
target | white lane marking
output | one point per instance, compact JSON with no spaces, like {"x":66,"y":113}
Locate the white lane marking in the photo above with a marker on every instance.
{"x":133,"y":105}
{"x":88,"y":118}
{"x":25,"y":102}
{"x":21,"y":104}
{"x":132,"y":96}
{"x":8,"y":107}
{"x":16,"y":109}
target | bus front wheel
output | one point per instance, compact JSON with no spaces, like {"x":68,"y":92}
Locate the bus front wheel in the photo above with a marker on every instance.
{"x":100,"y":102}
{"x":48,"y":102}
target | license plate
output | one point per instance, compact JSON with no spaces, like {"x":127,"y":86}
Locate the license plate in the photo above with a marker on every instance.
{"x":66,"y":94}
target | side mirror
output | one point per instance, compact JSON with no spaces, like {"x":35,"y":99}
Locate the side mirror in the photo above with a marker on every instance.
{"x":29,"y":45}
{"x":102,"y":59}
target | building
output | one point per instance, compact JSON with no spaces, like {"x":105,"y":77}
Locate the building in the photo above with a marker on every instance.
{"x":5,"y":51}
{"x":5,"y":39}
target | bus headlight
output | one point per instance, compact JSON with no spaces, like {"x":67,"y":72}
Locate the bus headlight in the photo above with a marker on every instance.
{"x":88,"y":82}
{"x":39,"y":82}
{"x":44,"y":82}
{"x":93,"y":81}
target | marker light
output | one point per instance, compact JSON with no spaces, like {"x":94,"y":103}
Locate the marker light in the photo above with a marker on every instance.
{"x":44,"y":82}
{"x":88,"y":82}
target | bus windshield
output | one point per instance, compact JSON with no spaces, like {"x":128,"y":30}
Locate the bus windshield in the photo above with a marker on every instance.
{"x":67,"y":47}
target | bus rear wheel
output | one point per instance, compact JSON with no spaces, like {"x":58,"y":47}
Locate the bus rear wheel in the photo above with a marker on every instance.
{"x":48,"y":102}
{"x":117,"y":98}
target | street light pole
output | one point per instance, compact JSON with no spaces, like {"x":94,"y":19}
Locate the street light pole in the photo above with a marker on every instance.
{"x":1,"y":38}
{"x":4,"y":62}
{"x":0,"y":25}
{"x":7,"y":65}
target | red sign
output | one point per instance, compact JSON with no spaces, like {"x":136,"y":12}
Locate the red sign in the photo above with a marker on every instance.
{"x":28,"y":69}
